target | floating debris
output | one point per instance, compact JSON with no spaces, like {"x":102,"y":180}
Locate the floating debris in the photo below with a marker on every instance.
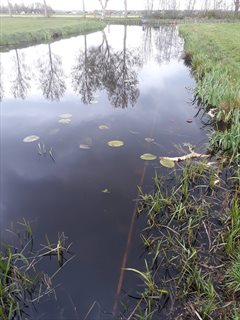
{"x":134,"y":132}
{"x":149,"y":140}
{"x":104,"y":127}
{"x":84,"y":146}
{"x":189,"y":120}
{"x":148,"y":157}
{"x":39,"y":149}
{"x":51,"y":154}
{"x":65,"y":116}
{"x":115,"y":143}
{"x":31,"y":138}
{"x":193,"y":154}
{"x":65,"y":121}
{"x":105,"y":191}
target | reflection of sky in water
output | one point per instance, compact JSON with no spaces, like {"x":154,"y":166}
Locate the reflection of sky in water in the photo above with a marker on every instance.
{"x":66,"y":195}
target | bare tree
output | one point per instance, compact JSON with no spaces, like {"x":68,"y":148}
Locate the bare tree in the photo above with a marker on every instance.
{"x":206,"y":5}
{"x":103,"y":4}
{"x":45,"y":9}
{"x":9,"y":8}
{"x":237,"y":5}
{"x":86,"y":74}
{"x":125,"y":8}
{"x":51,"y":77}
{"x":149,"y":5}
{"x":20,"y":83}
{"x":191,"y":5}
{"x":83,"y":7}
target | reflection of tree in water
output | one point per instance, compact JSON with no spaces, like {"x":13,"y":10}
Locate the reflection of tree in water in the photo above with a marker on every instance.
{"x":85,"y":77}
{"x":123,"y":90}
{"x":1,"y":82}
{"x":167,"y":41}
{"x":51,"y":76}
{"x":100,"y":68}
{"x":20,"y":82}
{"x":169,"y":44}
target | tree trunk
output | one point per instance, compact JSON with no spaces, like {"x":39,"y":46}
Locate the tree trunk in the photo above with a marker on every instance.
{"x":237,"y":5}
{"x":83,"y":7}
{"x":104,"y":6}
{"x":125,"y":7}
{"x":45,"y":9}
{"x":9,"y":9}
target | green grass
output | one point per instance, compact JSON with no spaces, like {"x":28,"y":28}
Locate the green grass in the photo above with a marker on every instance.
{"x":20,"y":31}
{"x":233,"y":276}
{"x":214,"y":53}
{"x":22,"y":284}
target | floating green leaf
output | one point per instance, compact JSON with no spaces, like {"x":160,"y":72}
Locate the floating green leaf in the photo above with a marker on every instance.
{"x":65,"y":121}
{"x":115,"y":143}
{"x":104,"y":127}
{"x":84,"y":146}
{"x":167,"y":163}
{"x":149,"y":139}
{"x":148,"y":157}
{"x":65,"y":116}
{"x":31,"y":138}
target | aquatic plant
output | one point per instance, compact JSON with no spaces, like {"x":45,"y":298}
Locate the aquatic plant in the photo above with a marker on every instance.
{"x":21,"y":285}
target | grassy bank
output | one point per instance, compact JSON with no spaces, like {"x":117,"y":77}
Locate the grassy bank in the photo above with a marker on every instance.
{"x":192,"y":233}
{"x":19,"y":31}
{"x":214,"y":54}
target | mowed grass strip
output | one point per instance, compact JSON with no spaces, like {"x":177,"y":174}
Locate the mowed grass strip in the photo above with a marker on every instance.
{"x":23,"y":30}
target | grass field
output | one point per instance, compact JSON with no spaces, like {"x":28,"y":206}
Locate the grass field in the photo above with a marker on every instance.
{"x":20,"y":31}
{"x":214,"y":53}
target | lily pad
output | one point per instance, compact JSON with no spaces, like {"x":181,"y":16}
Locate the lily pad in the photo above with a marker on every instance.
{"x":167,"y":163}
{"x":104,"y":127}
{"x":65,"y":121}
{"x":84,"y":146}
{"x":31,"y":138}
{"x":148,"y":157}
{"x":115,"y":143}
{"x":149,"y":140}
{"x":65,"y":116}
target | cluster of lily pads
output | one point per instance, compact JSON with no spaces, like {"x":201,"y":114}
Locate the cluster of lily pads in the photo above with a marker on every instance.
{"x":66,"y":118}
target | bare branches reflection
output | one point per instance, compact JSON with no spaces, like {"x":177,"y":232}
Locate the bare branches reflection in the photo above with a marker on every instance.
{"x":101,"y":68}
{"x":21,"y":79}
{"x":51,"y":76}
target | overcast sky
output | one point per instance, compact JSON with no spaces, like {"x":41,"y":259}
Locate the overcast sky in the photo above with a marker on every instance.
{"x":94,"y":4}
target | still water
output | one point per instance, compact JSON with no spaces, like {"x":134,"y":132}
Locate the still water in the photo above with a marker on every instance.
{"x":129,"y":79}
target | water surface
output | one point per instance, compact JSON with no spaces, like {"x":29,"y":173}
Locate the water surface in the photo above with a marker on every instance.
{"x":130,"y":79}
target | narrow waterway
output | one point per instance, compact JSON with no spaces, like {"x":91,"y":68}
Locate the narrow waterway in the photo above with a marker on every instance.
{"x":125,"y":83}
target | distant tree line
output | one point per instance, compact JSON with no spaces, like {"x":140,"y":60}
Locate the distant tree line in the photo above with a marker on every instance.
{"x":33,"y":8}
{"x":176,"y":5}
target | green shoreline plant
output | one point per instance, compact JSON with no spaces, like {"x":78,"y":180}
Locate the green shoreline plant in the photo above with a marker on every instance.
{"x":212,"y":51}
{"x":22,"y":286}
{"x":192,"y":233}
